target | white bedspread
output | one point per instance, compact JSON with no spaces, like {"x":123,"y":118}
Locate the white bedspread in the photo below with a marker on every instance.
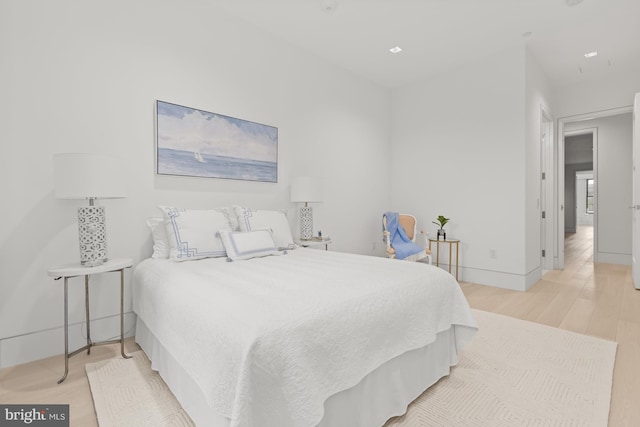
{"x":268,"y":340}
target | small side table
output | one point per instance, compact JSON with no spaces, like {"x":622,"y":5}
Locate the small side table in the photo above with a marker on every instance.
{"x":314,"y":243}
{"x":75,"y":270}
{"x":451,"y":243}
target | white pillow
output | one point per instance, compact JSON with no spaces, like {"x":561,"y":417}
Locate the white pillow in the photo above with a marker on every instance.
{"x":248,"y":244}
{"x":193,"y":234}
{"x":276,"y":221}
{"x":161,"y":245}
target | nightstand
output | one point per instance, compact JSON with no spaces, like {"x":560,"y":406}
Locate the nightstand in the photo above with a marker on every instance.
{"x":315,"y":243}
{"x":75,"y":270}
{"x":451,"y":243}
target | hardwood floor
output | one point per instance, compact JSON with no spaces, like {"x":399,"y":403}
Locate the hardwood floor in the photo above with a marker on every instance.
{"x":598,"y":300}
{"x":595,"y":300}
{"x":36,"y":382}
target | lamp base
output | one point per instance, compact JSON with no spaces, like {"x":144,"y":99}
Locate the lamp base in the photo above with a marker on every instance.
{"x":306,"y":223}
{"x":93,"y":236}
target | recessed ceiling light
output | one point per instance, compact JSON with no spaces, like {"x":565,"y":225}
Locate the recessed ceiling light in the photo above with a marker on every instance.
{"x":591,"y":54}
{"x":396,"y":49}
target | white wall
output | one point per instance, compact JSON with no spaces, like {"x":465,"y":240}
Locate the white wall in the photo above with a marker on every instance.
{"x":83,"y":76}
{"x":586,"y":95}
{"x":459,"y":151}
{"x":613,"y":186}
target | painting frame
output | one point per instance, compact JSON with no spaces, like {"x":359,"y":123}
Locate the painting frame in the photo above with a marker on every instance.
{"x":191,"y":142}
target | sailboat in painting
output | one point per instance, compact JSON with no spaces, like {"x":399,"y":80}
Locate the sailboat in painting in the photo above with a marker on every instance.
{"x":198,"y":157}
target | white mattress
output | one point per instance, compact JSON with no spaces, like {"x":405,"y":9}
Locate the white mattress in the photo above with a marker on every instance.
{"x":268,"y":341}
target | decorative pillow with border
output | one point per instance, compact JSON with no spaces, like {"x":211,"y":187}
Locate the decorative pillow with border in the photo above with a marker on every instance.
{"x":161,"y":247}
{"x":248,"y":244}
{"x":193,"y":233}
{"x":274,"y":220}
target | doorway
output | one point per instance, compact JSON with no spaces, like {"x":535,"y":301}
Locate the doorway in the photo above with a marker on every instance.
{"x":612,"y":244}
{"x":580,"y":189}
{"x":578,"y":242}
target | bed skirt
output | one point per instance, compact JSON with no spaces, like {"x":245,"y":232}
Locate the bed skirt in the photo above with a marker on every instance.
{"x":382,"y":394}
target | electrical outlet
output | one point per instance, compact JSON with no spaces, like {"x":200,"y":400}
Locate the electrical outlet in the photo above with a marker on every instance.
{"x":493,"y":253}
{"x":374,"y":246}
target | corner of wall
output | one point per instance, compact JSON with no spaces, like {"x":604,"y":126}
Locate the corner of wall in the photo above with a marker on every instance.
{"x":498,"y":279}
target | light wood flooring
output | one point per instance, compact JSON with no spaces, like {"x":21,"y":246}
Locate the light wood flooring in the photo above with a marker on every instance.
{"x":595,"y":300}
{"x":36,"y":382}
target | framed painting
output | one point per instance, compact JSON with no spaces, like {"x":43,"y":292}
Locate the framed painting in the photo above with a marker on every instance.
{"x":192,"y":142}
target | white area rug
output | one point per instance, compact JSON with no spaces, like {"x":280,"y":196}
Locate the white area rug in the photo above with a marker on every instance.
{"x":127,"y":393}
{"x":514,"y":373}
{"x":518,"y":373}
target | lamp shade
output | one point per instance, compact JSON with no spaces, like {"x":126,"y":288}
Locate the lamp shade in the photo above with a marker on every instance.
{"x":88,"y":176}
{"x":306,"y":189}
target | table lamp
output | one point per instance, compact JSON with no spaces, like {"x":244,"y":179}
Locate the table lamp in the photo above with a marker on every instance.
{"x":91,"y":177}
{"x":306,"y":189}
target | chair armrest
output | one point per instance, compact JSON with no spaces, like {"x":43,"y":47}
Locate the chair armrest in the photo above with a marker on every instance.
{"x":426,"y":241}
{"x":425,"y":234}
{"x":391,"y":253}
{"x":387,"y":240}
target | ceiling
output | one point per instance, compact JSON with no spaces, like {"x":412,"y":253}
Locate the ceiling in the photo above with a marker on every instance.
{"x":438,"y":35}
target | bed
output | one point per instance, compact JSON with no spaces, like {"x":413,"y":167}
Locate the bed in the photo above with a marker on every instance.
{"x":301,"y":337}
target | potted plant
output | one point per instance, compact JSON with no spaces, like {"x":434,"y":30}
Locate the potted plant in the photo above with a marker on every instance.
{"x":441,"y":221}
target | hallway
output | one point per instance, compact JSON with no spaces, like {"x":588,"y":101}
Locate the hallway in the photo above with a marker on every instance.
{"x":578,"y":247}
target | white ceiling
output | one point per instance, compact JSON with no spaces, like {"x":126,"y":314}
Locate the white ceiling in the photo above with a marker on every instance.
{"x":437,"y":35}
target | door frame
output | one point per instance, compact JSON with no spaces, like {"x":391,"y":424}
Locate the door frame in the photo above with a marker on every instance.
{"x":546,"y":189}
{"x":558,"y":226}
{"x":635,"y":198}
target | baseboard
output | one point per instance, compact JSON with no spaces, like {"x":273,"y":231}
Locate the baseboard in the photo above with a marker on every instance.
{"x":533,"y":277}
{"x":499,"y":279}
{"x":46,"y":343}
{"x":611,"y":258}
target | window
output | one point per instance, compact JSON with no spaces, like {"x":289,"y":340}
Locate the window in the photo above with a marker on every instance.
{"x":589,"y":196}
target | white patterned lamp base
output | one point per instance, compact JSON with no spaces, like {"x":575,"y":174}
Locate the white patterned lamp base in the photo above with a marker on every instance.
{"x":93,"y":235}
{"x":306,"y":223}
